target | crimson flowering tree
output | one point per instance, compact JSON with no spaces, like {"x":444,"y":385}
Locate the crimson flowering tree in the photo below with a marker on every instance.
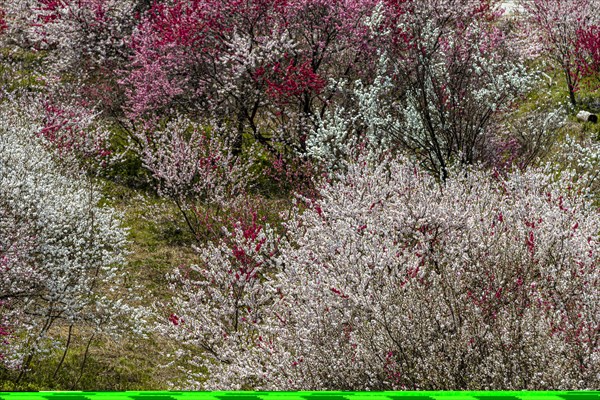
{"x":559,"y":28}
{"x":588,"y":45}
{"x":3,"y":23}
{"x":202,"y":56}
{"x":255,"y":66}
{"x":392,"y":280}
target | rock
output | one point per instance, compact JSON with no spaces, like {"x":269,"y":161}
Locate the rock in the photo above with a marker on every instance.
{"x":586,"y":116}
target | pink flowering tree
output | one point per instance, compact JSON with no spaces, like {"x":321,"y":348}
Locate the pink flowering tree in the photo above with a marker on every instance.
{"x":201,"y":57}
{"x":393,"y":281}
{"x":561,"y":29}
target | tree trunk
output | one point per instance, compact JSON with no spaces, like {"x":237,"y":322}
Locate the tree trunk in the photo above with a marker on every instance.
{"x":571,"y":88}
{"x":238,"y":140}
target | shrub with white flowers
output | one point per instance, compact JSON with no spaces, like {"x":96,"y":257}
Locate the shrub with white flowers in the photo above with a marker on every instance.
{"x":59,"y":249}
{"x":393,"y":280}
{"x":81,"y":35}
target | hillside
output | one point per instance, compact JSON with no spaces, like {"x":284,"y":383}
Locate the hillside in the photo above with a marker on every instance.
{"x":299,"y":195}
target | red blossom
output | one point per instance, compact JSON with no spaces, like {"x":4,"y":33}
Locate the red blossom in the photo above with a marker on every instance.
{"x":588,"y":46}
{"x":292,"y":80}
{"x":174,"y":319}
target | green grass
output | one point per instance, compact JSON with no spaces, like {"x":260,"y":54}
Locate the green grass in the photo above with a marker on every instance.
{"x":20,"y":69}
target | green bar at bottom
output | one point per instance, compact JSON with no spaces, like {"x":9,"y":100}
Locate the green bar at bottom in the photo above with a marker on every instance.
{"x":408,"y":395}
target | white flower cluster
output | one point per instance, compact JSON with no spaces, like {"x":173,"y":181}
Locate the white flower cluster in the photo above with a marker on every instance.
{"x":59,"y":250}
{"x":374,"y":121}
{"x":396,"y":281}
{"x":584,"y":155}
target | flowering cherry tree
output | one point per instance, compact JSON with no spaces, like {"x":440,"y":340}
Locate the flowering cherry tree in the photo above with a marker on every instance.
{"x":394,"y":281}
{"x":192,"y":166}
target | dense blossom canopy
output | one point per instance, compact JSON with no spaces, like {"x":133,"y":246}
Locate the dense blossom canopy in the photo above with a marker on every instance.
{"x":394,"y":281}
{"x":350,"y":194}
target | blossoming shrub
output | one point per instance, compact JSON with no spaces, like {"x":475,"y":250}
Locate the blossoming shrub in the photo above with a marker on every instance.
{"x":582,"y":154}
{"x":219,"y":304}
{"x":190,"y":165}
{"x":393,"y":280}
{"x":59,"y":249}
{"x":74,"y":130}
